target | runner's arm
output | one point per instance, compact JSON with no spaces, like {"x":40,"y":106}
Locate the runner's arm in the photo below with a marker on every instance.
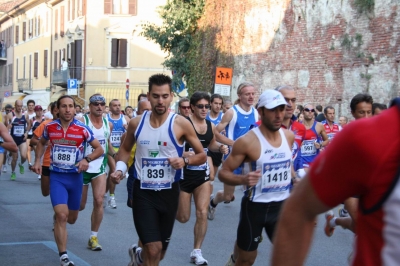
{"x":190,"y":136}
{"x":221,"y":126}
{"x":39,"y":151}
{"x":126,"y":146}
{"x":8,"y":142}
{"x":214,"y":146}
{"x":323,"y":135}
{"x":98,"y":150}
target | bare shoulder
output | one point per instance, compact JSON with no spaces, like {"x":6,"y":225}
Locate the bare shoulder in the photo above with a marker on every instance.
{"x":181,"y":121}
{"x":289,"y":134}
{"x":227,"y":117}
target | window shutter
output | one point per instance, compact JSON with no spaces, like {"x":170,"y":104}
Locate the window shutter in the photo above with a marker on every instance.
{"x":9,"y":37}
{"x":107,"y":6}
{"x":45,"y":63}
{"x":62,"y":21}
{"x":133,"y":7}
{"x":122,"y":53}
{"x":38,"y":30}
{"x":36,"y":65}
{"x":16,"y":68}
{"x":24,"y":31}
{"x":114,"y":52}
{"x":56,"y":24}
{"x":24,"y":69}
{"x":69,"y":10}
{"x":73,"y":10}
{"x":10,"y":74}
{"x":16,"y":34}
{"x":78,"y":59}
{"x":55,"y":61}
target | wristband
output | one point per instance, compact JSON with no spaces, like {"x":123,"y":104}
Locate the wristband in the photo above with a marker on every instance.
{"x":121,"y":166}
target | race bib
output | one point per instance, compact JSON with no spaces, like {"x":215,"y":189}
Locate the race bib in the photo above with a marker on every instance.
{"x":156,"y":174}
{"x":331,"y":135}
{"x":18,"y":131}
{"x":64,"y":156}
{"x":308,"y":148}
{"x":115,"y":138}
{"x":201,"y":167}
{"x":89,"y":149}
{"x":276,"y":177}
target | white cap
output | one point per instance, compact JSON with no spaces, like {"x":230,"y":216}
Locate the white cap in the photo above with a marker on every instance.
{"x":271,"y":99}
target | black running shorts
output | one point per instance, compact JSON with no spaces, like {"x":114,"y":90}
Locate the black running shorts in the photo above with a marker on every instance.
{"x":154,"y":213}
{"x":216,"y":157}
{"x":193,"y":180}
{"x":45,"y":171}
{"x":254,"y":216}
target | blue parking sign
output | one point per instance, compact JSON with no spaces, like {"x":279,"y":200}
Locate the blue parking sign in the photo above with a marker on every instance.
{"x":72,"y":84}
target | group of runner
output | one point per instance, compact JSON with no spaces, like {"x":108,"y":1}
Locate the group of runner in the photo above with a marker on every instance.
{"x":171,"y":157}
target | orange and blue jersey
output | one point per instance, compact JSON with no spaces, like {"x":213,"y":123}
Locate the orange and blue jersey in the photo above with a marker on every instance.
{"x":67,"y":147}
{"x":331,"y":131}
{"x":299,"y":131}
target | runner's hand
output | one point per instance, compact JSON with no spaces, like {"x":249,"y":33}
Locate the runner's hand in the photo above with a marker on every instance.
{"x":37,"y":168}
{"x":176,"y":162}
{"x":251,"y":179}
{"x":224,"y":149}
{"x":83,"y":165}
{"x":116,"y":177}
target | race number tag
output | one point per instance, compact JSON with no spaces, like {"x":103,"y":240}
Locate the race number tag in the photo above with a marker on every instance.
{"x":276,"y":177}
{"x":89,"y":149}
{"x":64,"y":156}
{"x":19,"y":131}
{"x":115,"y":138}
{"x":308,"y":148}
{"x":201,"y":167}
{"x":331,"y":135}
{"x":156,"y":174}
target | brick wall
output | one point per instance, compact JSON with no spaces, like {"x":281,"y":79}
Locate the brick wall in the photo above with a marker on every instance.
{"x":327,"y":49}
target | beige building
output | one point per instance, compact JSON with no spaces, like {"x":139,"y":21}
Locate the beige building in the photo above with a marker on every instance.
{"x":101,"y":40}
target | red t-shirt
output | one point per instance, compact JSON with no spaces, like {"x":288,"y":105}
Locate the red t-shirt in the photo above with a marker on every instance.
{"x":364,"y":160}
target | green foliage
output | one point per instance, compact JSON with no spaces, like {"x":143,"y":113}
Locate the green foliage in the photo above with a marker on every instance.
{"x":332,"y":47}
{"x":359,"y":39}
{"x":175,"y":35}
{"x":346,"y":42}
{"x":364,"y":5}
{"x":360,"y":54}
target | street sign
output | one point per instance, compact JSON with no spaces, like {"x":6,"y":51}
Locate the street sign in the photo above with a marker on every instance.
{"x":223,"y":75}
{"x":127,"y":95}
{"x":180,"y":88}
{"x":127,"y":84}
{"x":223,"y":90}
{"x":72,"y":86}
{"x":7,"y":94}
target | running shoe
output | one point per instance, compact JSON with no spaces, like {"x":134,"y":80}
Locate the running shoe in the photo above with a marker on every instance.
{"x":21,"y":169}
{"x":343,"y":212}
{"x":211,"y":212}
{"x":4,"y":169}
{"x":134,"y":251}
{"x":93,"y":244}
{"x":13,"y":176}
{"x":39,"y":177}
{"x":328,"y":229}
{"x":64,"y":261}
{"x":197,"y":258}
{"x":111,"y":203}
{"x":230,"y":261}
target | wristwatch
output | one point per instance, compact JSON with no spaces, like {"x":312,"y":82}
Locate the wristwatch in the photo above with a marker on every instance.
{"x":87,"y":158}
{"x":185,"y":160}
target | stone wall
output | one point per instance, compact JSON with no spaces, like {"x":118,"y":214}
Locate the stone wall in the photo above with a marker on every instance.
{"x":325,"y":48}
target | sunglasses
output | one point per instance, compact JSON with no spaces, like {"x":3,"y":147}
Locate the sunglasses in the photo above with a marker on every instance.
{"x":97,"y":104}
{"x":201,"y":106}
{"x":185,"y":107}
{"x":7,"y":111}
{"x":309,"y":110}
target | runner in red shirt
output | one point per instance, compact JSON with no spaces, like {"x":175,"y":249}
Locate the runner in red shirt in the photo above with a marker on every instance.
{"x":331,"y":127}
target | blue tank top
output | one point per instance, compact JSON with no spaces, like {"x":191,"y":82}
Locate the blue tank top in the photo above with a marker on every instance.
{"x":241,"y":122}
{"x":216,"y":120}
{"x":308,"y":150}
{"x":118,"y":130}
{"x":18,"y":127}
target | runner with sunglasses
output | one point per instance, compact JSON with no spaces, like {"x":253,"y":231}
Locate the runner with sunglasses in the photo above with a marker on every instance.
{"x":312,"y":143}
{"x":184,"y":107}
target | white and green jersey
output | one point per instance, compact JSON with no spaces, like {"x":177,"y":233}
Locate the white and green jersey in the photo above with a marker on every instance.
{"x":102,"y":134}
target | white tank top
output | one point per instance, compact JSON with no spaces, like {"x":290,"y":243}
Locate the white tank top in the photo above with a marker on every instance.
{"x":275,"y":183}
{"x":102,"y":134}
{"x":153,"y":147}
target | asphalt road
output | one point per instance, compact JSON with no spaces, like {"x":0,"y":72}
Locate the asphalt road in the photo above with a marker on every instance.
{"x":26,"y":236}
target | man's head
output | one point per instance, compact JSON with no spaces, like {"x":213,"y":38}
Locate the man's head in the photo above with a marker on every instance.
{"x":66,"y":108}
{"x":329,"y":113}
{"x":216,"y":103}
{"x":38,"y":110}
{"x":271,"y":108}
{"x":18,"y":106}
{"x":143,"y":105}
{"x":318,"y":108}
{"x":106,"y":109}
{"x":361,"y":106}
{"x":8,"y":108}
{"x":54,"y":109}
{"x":227,"y":105}
{"x":289,"y":94}
{"x":377,"y":108}
{"x":160,"y":80}
{"x":115,"y":107}
{"x":160,"y":93}
{"x":129,"y":111}
{"x":308,"y":112}
{"x":97,"y":104}
{"x":184,"y":107}
{"x":31,"y":105}
{"x":141,"y":97}
{"x":246,"y":93}
{"x":343,"y":120}
{"x":200,"y":104}
{"x":78,"y":109}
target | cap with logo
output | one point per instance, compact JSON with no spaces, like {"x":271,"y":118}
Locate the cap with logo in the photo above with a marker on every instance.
{"x":271,"y":99}
{"x":38,"y":107}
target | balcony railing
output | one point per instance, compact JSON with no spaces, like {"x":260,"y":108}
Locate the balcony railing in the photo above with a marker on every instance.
{"x":61,"y":76}
{"x":24,"y":84}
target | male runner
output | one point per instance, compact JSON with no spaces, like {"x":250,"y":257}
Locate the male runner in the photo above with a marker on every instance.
{"x":196,"y":178}
{"x":33,"y":123}
{"x":236,"y":121}
{"x":19,"y":134}
{"x":227,"y":105}
{"x":184,"y":107}
{"x":331,"y":127}
{"x":343,"y":121}
{"x":361,"y":107}
{"x":333,"y":178}
{"x":6,"y":142}
{"x":266,"y":154}
{"x":312,"y":142}
{"x":67,"y":137}
{"x":78,"y":111}
{"x":318,"y":112}
{"x":31,"y":114}
{"x":7,"y":110}
{"x":120,"y":123}
{"x":159,"y":136}
{"x":378,"y":108}
{"x":96,"y":173}
{"x":129,"y":112}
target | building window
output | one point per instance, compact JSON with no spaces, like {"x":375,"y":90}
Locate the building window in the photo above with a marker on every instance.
{"x":36,"y":65}
{"x":16,"y":68}
{"x":124,"y":7}
{"x":119,"y":52}
{"x":10,"y":71}
{"x":44,"y":63}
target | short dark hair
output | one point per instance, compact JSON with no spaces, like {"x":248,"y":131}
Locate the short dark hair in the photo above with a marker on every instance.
{"x":159,"y":80}
{"x":328,"y":107}
{"x":113,"y":100}
{"x":199,"y":95}
{"x":319,"y":108}
{"x":63,"y":97}
{"x":78,"y":106}
{"x":359,"y":98}
{"x":8,"y":106}
{"x":141,"y":95}
{"x":300,"y":107}
{"x":380,"y":106}
{"x":30,"y":101}
{"x":216,"y":96}
{"x":128,"y":107}
{"x":182,"y":100}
